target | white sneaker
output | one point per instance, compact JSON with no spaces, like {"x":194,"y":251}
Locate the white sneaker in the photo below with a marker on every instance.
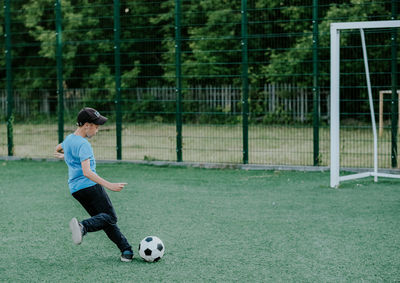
{"x":76,"y":231}
{"x":127,"y":256}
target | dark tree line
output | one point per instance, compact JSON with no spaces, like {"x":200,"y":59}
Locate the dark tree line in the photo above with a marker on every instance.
{"x":279,"y":44}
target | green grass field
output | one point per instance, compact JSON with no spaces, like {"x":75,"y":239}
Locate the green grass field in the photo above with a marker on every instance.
{"x":217,"y":225}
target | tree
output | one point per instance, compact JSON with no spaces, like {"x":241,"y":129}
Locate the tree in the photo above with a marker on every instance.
{"x":297,"y":59}
{"x":279,"y":44}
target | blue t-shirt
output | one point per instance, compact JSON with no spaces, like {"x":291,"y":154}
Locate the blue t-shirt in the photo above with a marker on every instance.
{"x":78,"y":149}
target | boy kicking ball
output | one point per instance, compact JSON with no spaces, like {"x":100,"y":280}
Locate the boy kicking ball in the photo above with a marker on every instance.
{"x":87,"y":187}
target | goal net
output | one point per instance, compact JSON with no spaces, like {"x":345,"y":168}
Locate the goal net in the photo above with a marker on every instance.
{"x":335,"y":30}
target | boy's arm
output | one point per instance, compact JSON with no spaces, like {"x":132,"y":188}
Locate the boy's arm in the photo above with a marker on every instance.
{"x":59,"y":152}
{"x":88,"y":173}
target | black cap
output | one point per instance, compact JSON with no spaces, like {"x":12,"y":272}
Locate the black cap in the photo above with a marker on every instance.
{"x":90,"y":115}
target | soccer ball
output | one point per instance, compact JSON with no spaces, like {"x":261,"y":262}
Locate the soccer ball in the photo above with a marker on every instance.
{"x":151,"y":249}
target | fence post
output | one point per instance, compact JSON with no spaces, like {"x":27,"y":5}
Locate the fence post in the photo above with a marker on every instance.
{"x":9,"y":86}
{"x":394,"y":99}
{"x":245,"y":84}
{"x":178,"y":74}
{"x":315,"y":85}
{"x":60,"y":87}
{"x":117,"y":62}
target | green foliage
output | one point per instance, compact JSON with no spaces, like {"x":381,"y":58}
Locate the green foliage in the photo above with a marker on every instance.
{"x":129,"y":78}
{"x":288,"y":65}
{"x":279,"y":116}
{"x":220,"y":33}
{"x":103,"y":78}
{"x":147,"y":108}
{"x":279,"y":44}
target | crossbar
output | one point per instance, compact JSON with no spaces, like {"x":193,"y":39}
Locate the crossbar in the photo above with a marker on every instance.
{"x":365,"y":25}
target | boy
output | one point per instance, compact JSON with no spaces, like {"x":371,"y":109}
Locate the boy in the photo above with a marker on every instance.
{"x":87,"y":187}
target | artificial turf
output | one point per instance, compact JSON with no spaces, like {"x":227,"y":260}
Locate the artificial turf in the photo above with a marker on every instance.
{"x":217,"y":225}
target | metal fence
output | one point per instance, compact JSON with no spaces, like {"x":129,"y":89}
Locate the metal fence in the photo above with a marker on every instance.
{"x":201,"y":81}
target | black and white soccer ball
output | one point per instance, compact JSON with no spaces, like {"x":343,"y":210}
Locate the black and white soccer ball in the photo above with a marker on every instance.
{"x":151,"y":249}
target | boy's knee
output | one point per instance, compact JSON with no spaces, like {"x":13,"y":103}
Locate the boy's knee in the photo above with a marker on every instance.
{"x":114,"y":219}
{"x":110,"y":219}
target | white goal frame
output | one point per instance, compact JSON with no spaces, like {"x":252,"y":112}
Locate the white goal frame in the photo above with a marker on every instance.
{"x":335,"y":98}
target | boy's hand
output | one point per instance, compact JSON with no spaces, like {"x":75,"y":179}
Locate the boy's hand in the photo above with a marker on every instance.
{"x":88,"y":173}
{"x":58,"y":155}
{"x":116,"y":187}
{"x":59,"y":152}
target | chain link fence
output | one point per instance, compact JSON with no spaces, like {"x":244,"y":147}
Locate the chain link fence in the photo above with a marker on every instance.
{"x":198,"y":81}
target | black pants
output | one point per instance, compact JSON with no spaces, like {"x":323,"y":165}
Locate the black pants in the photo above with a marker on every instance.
{"x":97,"y":203}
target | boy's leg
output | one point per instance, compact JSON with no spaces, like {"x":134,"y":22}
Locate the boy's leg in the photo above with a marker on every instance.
{"x":97,"y":203}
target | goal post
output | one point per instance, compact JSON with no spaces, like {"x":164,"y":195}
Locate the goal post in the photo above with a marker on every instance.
{"x":381,"y":100}
{"x":335,"y":29}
